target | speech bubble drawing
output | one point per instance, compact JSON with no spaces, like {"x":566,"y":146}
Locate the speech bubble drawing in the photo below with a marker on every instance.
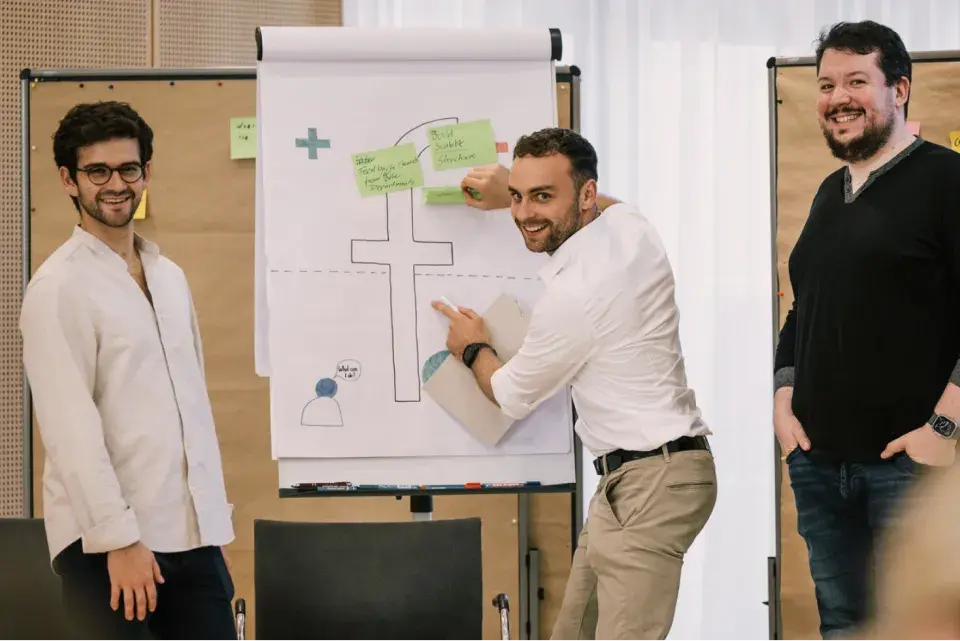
{"x":348,"y":370}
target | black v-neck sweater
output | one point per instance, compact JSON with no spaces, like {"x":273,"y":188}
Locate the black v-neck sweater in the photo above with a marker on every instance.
{"x":874,"y":333}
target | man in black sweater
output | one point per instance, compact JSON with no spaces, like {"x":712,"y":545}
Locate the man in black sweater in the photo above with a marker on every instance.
{"x":867,"y":364}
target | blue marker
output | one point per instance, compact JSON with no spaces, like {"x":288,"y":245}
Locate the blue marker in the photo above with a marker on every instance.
{"x":506,"y":485}
{"x":388,"y":487}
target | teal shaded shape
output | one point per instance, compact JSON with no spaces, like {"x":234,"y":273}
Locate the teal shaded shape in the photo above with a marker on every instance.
{"x":326,"y":387}
{"x":433,"y":363}
{"x":311,"y":143}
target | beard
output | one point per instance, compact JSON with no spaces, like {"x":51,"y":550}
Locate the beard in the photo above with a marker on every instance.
{"x":875,"y":135}
{"x":557,"y":231}
{"x":94,"y":208}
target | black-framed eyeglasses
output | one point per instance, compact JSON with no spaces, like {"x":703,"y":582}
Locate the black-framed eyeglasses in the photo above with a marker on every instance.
{"x":129,"y":172}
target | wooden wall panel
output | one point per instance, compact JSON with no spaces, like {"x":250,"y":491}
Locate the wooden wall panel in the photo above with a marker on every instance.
{"x":45,"y":33}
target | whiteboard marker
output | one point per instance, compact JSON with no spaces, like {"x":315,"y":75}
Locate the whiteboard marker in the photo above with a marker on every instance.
{"x":446,"y":301}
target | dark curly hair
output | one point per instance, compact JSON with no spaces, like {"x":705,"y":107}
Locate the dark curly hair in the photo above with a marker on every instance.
{"x":556,"y":140}
{"x":864,"y":38}
{"x":89,"y":123}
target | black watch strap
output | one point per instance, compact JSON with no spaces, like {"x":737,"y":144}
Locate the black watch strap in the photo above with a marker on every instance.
{"x":471,"y":351}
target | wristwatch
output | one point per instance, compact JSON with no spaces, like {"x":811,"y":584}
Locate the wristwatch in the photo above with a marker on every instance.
{"x":944,"y":426}
{"x":471,"y":351}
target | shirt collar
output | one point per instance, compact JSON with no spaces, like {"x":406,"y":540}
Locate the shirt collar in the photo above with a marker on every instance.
{"x":849,"y":195}
{"x":149,"y":250}
{"x":565,"y":253}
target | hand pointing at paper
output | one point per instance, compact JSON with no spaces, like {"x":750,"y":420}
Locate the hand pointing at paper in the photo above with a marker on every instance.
{"x":466,"y":327}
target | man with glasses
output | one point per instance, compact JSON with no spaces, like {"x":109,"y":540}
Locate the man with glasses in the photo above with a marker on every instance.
{"x":133,"y":493}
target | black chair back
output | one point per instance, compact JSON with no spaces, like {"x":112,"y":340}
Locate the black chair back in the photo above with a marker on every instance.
{"x":30,"y":594}
{"x":406,"y":580}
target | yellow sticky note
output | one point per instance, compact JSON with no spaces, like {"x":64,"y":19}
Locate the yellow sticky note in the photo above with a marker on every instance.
{"x":443,"y":195}
{"x":243,"y":138}
{"x":141,"y":212}
{"x":955,"y":141}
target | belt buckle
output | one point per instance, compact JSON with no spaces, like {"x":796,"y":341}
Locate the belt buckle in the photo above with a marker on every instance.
{"x":613,"y":458}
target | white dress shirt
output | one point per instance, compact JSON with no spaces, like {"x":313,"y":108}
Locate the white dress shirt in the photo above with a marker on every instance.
{"x":121,"y":401}
{"x":607,"y":325}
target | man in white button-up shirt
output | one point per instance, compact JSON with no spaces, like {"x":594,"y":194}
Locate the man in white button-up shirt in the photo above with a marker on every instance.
{"x":133,"y":492}
{"x":606,"y":325}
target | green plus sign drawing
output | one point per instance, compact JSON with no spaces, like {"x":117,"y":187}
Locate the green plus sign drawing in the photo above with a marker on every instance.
{"x":312,"y":143}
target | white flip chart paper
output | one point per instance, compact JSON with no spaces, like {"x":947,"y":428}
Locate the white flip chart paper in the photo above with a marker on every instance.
{"x":353,"y":256}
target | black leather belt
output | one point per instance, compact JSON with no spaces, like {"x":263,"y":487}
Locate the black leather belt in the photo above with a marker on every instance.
{"x":617,"y":458}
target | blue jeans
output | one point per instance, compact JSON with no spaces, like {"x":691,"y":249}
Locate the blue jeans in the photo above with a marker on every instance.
{"x":841,"y":510}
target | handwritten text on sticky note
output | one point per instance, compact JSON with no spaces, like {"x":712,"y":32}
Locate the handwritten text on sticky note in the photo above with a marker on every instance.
{"x":243,"y":138}
{"x":386,"y":170}
{"x":464,"y":144}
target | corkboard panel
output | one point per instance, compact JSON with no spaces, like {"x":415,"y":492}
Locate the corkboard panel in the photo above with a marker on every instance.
{"x":803,"y":161}
{"x":216,"y":33}
{"x":92,"y":33}
{"x":551,"y":523}
{"x":564,"y":105}
{"x":201,"y":215}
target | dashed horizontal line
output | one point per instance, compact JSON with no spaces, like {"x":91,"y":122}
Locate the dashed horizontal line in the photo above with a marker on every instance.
{"x":370,"y":272}
{"x":365,"y":272}
{"x":455,"y":275}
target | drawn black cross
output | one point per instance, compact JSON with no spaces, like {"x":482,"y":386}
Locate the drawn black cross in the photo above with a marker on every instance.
{"x":401,"y":253}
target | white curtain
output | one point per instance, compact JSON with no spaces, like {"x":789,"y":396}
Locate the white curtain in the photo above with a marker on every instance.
{"x":675,"y":99}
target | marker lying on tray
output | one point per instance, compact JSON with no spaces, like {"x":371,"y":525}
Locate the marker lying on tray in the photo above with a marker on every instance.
{"x":506,"y":485}
{"x":388,"y":488}
{"x":346,"y":485}
{"x":314,"y":487}
{"x":479,"y":486}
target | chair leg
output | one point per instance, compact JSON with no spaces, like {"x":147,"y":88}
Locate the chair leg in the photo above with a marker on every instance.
{"x":503,"y":605}
{"x":240,"y":616}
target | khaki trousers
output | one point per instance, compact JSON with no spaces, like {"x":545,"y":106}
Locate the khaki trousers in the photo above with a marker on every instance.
{"x":626,"y":570}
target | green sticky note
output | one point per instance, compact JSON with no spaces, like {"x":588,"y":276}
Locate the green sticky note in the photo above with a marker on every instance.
{"x":243,"y":138}
{"x":464,"y":144}
{"x":443,"y":196}
{"x":385,"y":170}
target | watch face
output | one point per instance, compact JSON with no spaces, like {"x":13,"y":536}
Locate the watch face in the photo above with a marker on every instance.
{"x":944,"y":426}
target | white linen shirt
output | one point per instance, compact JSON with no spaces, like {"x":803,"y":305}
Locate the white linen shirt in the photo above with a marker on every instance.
{"x":121,"y":402}
{"x":607,"y":324}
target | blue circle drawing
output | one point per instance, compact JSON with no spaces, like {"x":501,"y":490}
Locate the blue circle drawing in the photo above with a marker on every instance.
{"x":326,"y":387}
{"x":433,"y":363}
